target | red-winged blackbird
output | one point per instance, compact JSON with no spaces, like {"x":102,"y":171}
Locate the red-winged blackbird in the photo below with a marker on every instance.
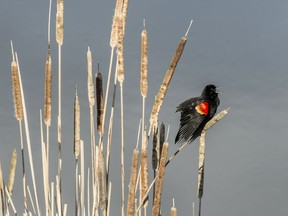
{"x":195,"y":113}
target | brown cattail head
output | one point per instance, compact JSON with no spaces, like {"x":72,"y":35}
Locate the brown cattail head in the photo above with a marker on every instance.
{"x":99,"y":98}
{"x":120,"y":51}
{"x":90,"y":82}
{"x":154,"y":150}
{"x":48,"y":90}
{"x":16,"y":91}
{"x":76,"y":126}
{"x":144,"y":63}
{"x":60,"y":22}
{"x":166,"y":81}
{"x":161,"y":137}
{"x":12,"y":172}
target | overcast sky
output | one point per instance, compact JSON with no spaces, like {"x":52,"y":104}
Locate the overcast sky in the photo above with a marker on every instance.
{"x":238,"y":45}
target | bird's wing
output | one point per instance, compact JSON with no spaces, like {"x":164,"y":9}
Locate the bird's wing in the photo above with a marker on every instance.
{"x":193,"y":113}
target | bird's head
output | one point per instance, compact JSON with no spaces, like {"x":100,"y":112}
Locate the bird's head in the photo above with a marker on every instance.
{"x":210,"y":92}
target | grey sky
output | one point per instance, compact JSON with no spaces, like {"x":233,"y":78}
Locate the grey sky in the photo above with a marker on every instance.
{"x":239,"y":45}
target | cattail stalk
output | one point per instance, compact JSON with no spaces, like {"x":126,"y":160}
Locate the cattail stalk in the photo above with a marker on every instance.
{"x":28,"y":137}
{"x":102,"y":185}
{"x":201,"y":169}
{"x":120,"y":77}
{"x":59,"y":39}
{"x":44,"y":168}
{"x":82,"y":180}
{"x":159,"y":186}
{"x":19,"y":116}
{"x":166,"y":81}
{"x":133,"y":176}
{"x":76,"y":148}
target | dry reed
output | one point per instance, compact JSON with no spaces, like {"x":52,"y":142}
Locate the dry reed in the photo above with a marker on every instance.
{"x":159,"y":186}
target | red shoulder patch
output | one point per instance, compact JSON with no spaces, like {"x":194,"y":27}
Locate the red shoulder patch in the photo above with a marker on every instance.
{"x":203,"y":108}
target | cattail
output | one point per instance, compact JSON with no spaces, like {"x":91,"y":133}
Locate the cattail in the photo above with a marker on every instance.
{"x":12,"y":172}
{"x":154,"y":150}
{"x":99,"y":98}
{"x":144,"y":166}
{"x":102,"y":185}
{"x":166,"y":81}
{"x":90,"y":82}
{"x":173,"y":211}
{"x":60,"y":22}
{"x":216,"y":118}
{"x":144,"y":63}
{"x":117,"y":11}
{"x":48,"y":90}
{"x":159,"y":186}
{"x":201,"y":165}
{"x":131,"y":195}
{"x":16,"y":91}
{"x":161,"y":137}
{"x":125,"y":12}
{"x":120,"y":53}
{"x":76,"y":126}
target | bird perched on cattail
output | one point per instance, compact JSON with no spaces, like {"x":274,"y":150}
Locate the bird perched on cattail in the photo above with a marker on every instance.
{"x":195,"y":113}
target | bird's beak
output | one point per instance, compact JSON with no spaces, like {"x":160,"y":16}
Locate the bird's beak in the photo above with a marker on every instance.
{"x":217,"y":90}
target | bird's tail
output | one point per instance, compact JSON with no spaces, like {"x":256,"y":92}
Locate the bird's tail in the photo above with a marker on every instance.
{"x":181,"y":147}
